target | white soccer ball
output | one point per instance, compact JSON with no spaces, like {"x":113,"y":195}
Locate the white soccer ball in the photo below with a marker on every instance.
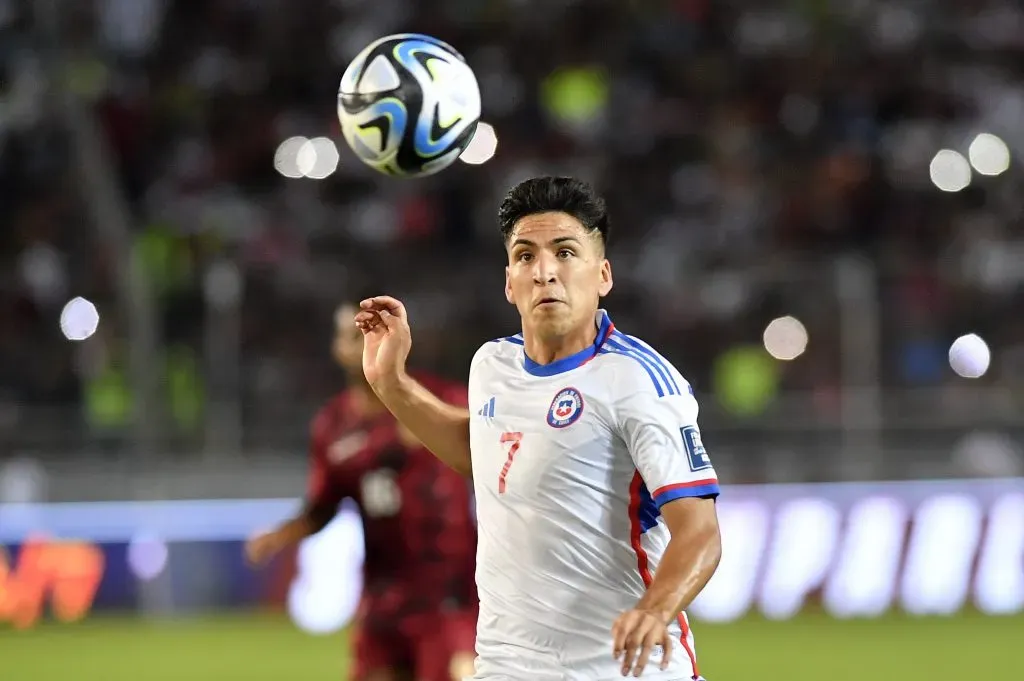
{"x":409,"y":105}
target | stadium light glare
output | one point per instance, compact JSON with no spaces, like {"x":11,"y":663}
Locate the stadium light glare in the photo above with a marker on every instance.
{"x":950,"y":171}
{"x":482,"y":147}
{"x":989,"y":155}
{"x":305,"y":158}
{"x":147,"y":556}
{"x":969,"y":356}
{"x":79,"y":319}
{"x":785,"y":338}
{"x":286,"y":158}
{"x":325,"y":158}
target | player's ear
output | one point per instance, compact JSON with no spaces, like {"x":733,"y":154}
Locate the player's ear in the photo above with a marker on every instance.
{"x":508,"y":287}
{"x":605,"y":283}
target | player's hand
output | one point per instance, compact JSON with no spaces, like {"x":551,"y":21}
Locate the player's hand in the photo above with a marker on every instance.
{"x":387,"y":339}
{"x":635,"y":634}
{"x":262,"y":547}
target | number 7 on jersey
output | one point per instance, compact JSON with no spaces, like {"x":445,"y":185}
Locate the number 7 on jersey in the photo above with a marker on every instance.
{"x":513,"y":440}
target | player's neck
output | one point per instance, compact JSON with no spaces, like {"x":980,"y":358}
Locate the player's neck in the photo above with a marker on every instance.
{"x":545,"y":350}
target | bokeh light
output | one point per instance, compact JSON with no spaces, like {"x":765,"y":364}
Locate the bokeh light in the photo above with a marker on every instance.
{"x":79,"y":319}
{"x":315,"y":159}
{"x":785,"y":338}
{"x":969,"y":356}
{"x":324,"y":156}
{"x":482,"y":147}
{"x":286,"y":158}
{"x":147,"y":556}
{"x":950,"y":171}
{"x":989,"y":155}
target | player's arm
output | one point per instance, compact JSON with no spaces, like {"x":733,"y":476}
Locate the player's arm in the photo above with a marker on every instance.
{"x":690,"y":558}
{"x":665,"y":444}
{"x":321,"y":504}
{"x":443,"y":428}
{"x":309,"y":521}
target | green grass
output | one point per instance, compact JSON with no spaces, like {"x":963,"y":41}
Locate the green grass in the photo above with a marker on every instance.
{"x":268,"y":648}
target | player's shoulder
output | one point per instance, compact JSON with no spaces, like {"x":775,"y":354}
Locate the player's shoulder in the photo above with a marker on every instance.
{"x":634,"y":366}
{"x":503,"y":349}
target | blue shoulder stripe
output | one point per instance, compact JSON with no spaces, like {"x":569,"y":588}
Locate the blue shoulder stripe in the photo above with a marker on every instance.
{"x":515,"y":340}
{"x":664,"y":377}
{"x":665,"y":369}
{"x":614,"y":349}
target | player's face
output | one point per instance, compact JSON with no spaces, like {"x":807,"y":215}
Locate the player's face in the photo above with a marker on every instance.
{"x":556,"y":273}
{"x":347,"y":347}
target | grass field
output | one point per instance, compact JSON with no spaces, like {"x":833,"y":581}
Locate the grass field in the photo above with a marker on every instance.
{"x":268,"y":648}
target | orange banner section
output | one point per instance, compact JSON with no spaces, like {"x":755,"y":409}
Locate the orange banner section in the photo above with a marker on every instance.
{"x":64,"y":574}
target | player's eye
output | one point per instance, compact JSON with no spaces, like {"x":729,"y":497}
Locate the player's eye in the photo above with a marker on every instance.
{"x":565,"y":253}
{"x":524,"y":256}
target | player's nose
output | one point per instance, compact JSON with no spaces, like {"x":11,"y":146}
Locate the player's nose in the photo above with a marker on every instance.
{"x":545,"y":271}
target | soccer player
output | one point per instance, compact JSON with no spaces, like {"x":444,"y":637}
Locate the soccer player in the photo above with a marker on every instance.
{"x":595,"y":495}
{"x":417,"y":616}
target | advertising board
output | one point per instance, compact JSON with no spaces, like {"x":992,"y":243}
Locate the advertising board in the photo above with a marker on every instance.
{"x":853,"y":550}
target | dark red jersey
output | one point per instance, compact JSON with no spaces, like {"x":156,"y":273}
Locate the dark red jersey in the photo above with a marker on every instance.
{"x":417,"y":512}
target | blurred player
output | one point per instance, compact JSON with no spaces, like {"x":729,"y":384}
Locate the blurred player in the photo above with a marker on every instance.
{"x":595,"y":496}
{"x":417,"y":616}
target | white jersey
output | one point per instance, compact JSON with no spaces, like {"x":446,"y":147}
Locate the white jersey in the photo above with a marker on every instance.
{"x":571,"y":462}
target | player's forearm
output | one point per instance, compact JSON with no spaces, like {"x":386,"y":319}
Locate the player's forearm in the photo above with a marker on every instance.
{"x":298,"y":528}
{"x":690,"y":560}
{"x":442,"y":428}
{"x":314,"y":517}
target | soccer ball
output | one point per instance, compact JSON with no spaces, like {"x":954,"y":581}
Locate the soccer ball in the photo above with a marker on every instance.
{"x":408,"y":105}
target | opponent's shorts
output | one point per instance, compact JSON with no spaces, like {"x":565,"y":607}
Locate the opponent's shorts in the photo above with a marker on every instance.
{"x":440,"y":647}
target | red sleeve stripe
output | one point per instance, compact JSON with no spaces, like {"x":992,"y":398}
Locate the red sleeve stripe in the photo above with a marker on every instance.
{"x":643,"y":565}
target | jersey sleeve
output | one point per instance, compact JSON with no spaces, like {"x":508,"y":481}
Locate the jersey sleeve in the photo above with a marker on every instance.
{"x":664,"y":442}
{"x":322,"y":491}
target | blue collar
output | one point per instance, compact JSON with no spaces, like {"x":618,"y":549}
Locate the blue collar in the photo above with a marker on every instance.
{"x":560,"y":366}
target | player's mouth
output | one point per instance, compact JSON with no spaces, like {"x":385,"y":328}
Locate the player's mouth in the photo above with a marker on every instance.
{"x":547,"y":302}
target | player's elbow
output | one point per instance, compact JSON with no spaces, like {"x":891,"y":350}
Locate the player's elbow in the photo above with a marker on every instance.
{"x":454,"y":449}
{"x":459,"y":459}
{"x":694,"y":522}
{"x":463,"y":457}
{"x":708,"y":534}
{"x":445,"y":434}
{"x":713,"y":548}
{"x":706,"y":543}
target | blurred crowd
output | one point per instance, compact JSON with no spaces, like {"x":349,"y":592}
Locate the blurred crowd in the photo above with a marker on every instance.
{"x":760,"y":159}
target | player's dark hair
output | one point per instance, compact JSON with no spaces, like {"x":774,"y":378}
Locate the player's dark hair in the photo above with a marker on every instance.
{"x":555,"y":194}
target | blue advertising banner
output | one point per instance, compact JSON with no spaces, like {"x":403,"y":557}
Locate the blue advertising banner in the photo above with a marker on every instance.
{"x":854,"y":550}
{"x":171,"y":557}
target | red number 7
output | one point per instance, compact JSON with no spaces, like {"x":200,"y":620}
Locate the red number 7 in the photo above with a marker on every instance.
{"x":514,"y":439}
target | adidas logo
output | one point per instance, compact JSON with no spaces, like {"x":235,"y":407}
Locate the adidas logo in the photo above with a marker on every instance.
{"x":487,"y":411}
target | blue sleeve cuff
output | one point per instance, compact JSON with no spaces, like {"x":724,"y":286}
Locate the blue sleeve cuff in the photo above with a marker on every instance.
{"x":673,"y":492}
